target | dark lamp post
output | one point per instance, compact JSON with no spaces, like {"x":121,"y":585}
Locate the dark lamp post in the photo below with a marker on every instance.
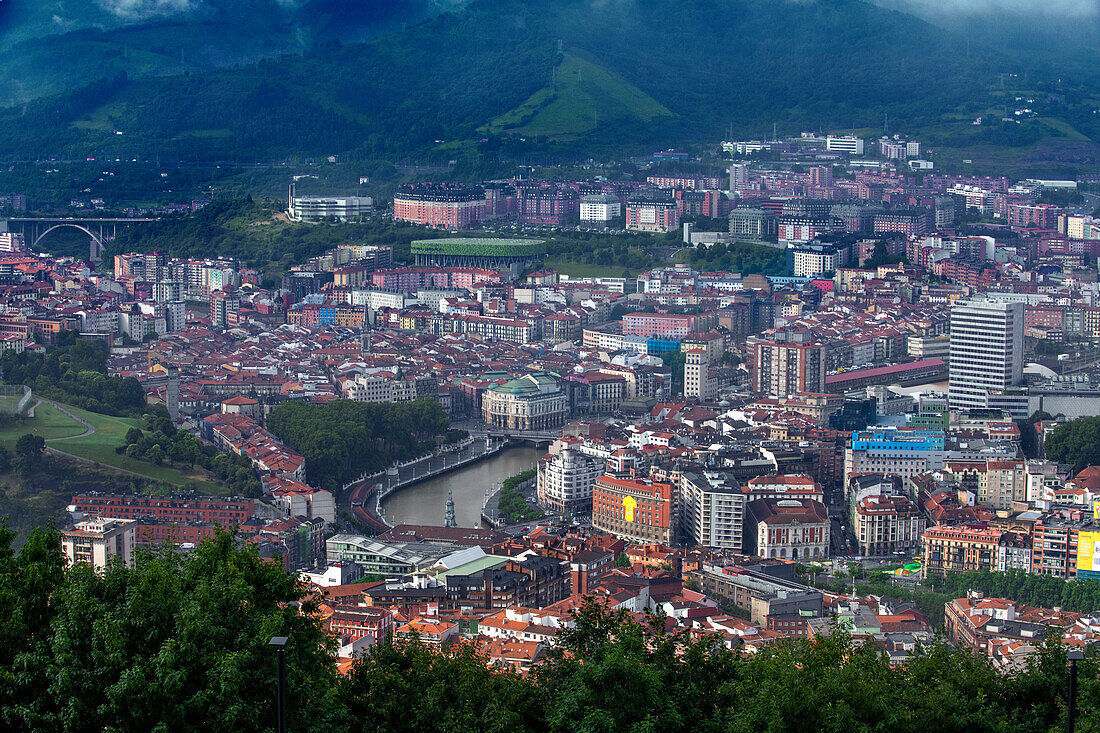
{"x":1074,"y":655}
{"x":279,"y":644}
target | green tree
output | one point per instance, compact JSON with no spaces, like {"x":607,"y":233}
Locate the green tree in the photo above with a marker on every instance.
{"x":155,"y":455}
{"x":28,"y":452}
{"x":175,"y":643}
{"x":406,"y":686}
{"x":1076,"y":442}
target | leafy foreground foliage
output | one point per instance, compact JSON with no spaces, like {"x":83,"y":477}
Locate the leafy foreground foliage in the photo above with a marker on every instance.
{"x":75,"y":372}
{"x":180,"y":643}
{"x":343,"y":439}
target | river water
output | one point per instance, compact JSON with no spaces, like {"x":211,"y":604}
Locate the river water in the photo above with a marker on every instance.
{"x":425,"y":502}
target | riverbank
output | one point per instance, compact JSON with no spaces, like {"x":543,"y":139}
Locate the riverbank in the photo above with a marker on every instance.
{"x":424,"y":501}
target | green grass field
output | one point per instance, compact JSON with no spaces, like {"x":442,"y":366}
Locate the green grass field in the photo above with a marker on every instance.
{"x":580,"y":269}
{"x":110,"y":432}
{"x":48,"y":421}
{"x":584,"y":94}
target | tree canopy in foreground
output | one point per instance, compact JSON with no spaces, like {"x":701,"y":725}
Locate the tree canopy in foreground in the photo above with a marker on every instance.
{"x":180,"y":643}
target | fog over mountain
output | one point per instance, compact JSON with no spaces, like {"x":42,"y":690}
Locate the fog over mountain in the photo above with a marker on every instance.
{"x":1071,"y":8}
{"x":1055,"y":37}
{"x":54,"y":45}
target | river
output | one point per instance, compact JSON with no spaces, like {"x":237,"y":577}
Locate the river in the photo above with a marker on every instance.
{"x":424,"y":503}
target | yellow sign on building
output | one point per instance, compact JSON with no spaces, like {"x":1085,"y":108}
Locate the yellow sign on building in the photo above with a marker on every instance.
{"x":1088,"y":551}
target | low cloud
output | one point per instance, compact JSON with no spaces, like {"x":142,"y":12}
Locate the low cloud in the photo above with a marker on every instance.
{"x":141,"y":9}
{"x":1065,"y":8}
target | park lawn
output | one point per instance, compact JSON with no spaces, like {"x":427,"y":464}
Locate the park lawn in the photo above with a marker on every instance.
{"x":48,"y":421}
{"x":110,"y":433}
{"x":581,"y":269}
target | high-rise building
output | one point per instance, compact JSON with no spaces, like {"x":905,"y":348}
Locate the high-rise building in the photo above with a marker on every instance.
{"x":699,"y":382}
{"x":713,"y":510}
{"x":987,"y":345}
{"x":739,"y":175}
{"x":821,"y":175}
{"x":224,"y":306}
{"x":786,"y":363}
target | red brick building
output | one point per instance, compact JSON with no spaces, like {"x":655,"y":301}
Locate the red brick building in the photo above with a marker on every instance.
{"x":634,"y":509}
{"x":176,"y":508}
{"x":1033,"y":216}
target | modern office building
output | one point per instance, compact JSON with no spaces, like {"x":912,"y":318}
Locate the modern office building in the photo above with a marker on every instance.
{"x":844,"y":144}
{"x":319,"y":208}
{"x":987,"y":344}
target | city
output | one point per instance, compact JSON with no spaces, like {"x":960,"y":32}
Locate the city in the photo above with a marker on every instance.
{"x":554,"y":435}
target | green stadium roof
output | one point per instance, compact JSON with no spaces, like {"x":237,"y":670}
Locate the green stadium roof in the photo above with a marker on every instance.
{"x":479,"y":247}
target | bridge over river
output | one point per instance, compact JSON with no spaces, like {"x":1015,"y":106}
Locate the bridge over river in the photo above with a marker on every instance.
{"x":100,"y":230}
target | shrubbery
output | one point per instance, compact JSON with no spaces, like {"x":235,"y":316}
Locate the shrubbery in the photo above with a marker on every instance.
{"x":75,"y":372}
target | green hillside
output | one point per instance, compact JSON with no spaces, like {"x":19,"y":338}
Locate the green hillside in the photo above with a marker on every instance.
{"x":633,"y":76}
{"x":582,"y":94}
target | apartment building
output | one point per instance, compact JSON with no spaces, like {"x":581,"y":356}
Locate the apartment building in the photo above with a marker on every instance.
{"x":99,"y":542}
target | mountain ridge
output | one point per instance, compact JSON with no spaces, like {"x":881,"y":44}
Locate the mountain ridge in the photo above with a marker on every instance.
{"x":712,"y":64}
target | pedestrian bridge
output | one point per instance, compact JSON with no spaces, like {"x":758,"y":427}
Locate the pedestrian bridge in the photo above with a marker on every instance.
{"x":533,"y":436}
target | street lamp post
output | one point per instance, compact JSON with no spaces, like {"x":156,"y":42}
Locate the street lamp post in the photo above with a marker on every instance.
{"x":279,"y":644}
{"x":1074,"y":656}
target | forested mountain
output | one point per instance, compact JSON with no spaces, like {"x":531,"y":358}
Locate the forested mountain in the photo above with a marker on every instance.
{"x":601,"y":72}
{"x":53,"y":46}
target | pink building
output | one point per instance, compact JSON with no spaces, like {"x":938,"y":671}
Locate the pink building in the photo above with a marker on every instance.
{"x":448,"y":206}
{"x":650,"y":325}
{"x":1033,"y":216}
{"x":411,"y":279}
